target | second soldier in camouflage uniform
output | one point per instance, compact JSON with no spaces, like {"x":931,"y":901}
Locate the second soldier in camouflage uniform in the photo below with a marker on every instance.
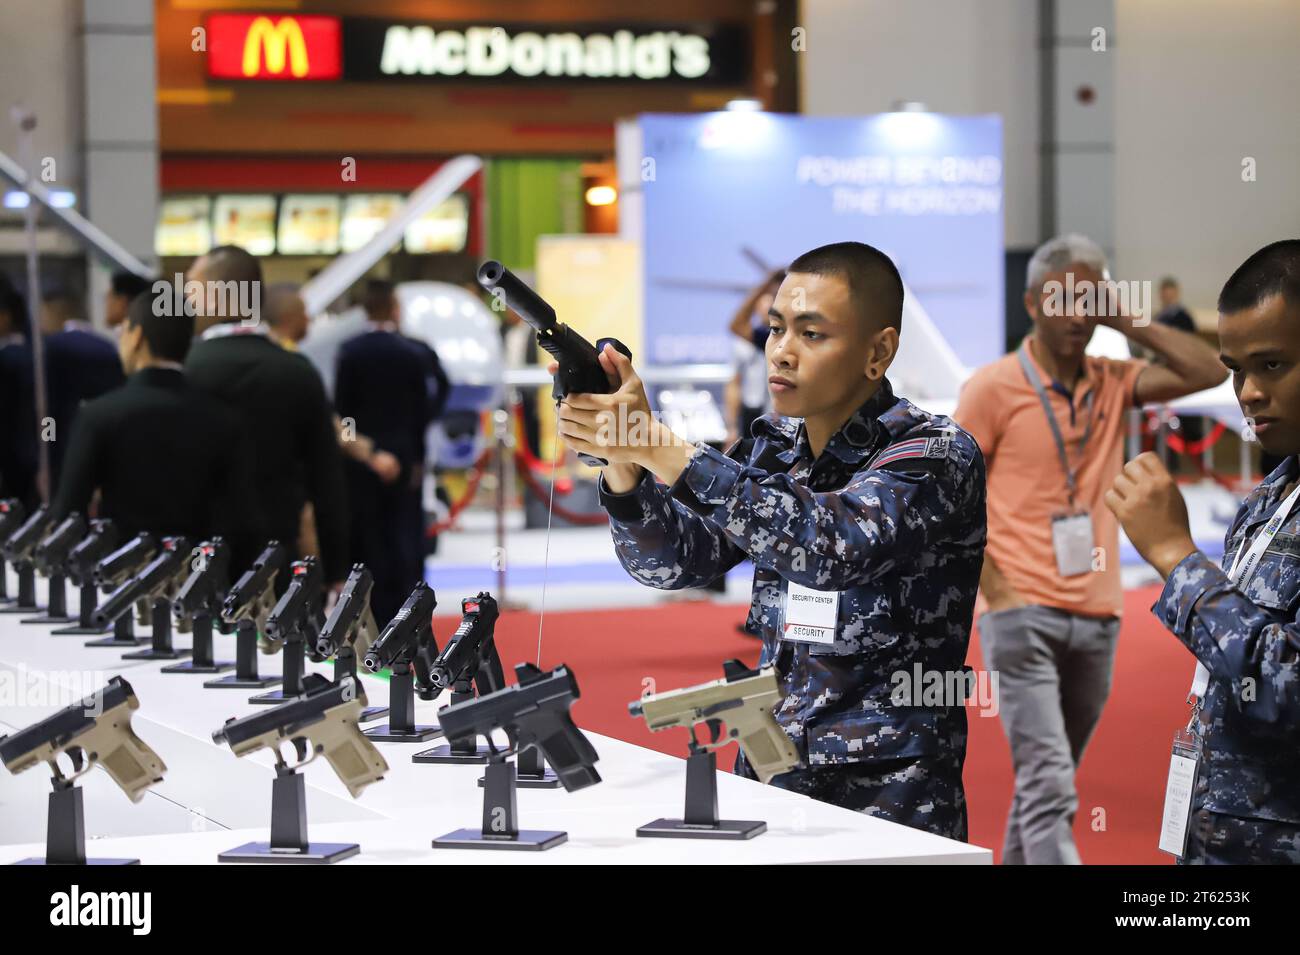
{"x":867,"y":496}
{"x":1246,"y":802}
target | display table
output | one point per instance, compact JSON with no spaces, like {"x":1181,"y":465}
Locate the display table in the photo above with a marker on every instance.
{"x":210,"y":800}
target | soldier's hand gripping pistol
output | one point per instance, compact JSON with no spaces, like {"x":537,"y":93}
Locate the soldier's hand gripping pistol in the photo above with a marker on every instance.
{"x":744,"y":701}
{"x":160,"y":578}
{"x":407,"y":642}
{"x":320,"y":722}
{"x":252,"y":598}
{"x":300,"y":612}
{"x":93,"y":732}
{"x":533,"y":712}
{"x":579,"y":368}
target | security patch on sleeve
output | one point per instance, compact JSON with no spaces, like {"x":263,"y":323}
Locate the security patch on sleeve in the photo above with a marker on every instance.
{"x":920,"y":451}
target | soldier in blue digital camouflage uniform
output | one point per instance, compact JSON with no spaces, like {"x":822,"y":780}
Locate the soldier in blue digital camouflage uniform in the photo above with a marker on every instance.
{"x":1245,"y":805}
{"x":847,"y":493}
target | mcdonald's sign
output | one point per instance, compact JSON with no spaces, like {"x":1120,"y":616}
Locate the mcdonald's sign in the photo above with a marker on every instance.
{"x":269,"y":47}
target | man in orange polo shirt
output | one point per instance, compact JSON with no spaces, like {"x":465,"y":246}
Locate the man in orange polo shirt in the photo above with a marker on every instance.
{"x":1050,"y":421}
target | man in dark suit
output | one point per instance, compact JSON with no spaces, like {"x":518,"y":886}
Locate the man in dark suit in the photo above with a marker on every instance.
{"x":391,"y":388}
{"x":124,"y":287}
{"x":165,"y":457}
{"x":17,"y":400}
{"x":80,"y":364}
{"x":280,"y":400}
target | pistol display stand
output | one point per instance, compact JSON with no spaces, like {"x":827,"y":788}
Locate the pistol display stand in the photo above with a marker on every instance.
{"x":468,"y":750}
{"x":161,"y":646}
{"x":345,"y":665}
{"x":123,"y":633}
{"x":245,"y":676}
{"x":531,"y":772}
{"x":701,"y":817}
{"x":500,"y":830}
{"x":56,"y":606}
{"x":26,"y":601}
{"x":401,"y":727}
{"x":85,"y":624}
{"x":65,"y":831}
{"x":291,"y":683}
{"x":202,"y":661}
{"x":289,"y":841}
{"x":4,"y":581}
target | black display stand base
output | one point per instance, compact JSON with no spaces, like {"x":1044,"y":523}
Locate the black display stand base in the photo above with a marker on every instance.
{"x":161,"y":646}
{"x":123,"y":634}
{"x":245,"y":676}
{"x":25,"y":602}
{"x":85,"y":625}
{"x":291,"y":681}
{"x":401,"y":726}
{"x":531,"y":772}
{"x":57,"y":605}
{"x":473,"y":754}
{"x":500,"y":810}
{"x":289,"y":841}
{"x":372,"y":713}
{"x":701,"y":817}
{"x":65,"y":833}
{"x":201,"y":662}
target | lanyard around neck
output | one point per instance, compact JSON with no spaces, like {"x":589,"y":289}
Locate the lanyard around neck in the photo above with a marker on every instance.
{"x":1036,"y":382}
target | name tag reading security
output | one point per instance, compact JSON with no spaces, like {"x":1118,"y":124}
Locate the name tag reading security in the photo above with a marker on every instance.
{"x":810,"y":615}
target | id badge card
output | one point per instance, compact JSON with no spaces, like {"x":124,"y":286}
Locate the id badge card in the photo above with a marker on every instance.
{"x":1072,"y":542}
{"x":1184,"y":765}
{"x":810,"y":615}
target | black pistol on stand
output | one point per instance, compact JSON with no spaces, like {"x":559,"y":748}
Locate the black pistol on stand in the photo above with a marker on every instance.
{"x":533,"y":713}
{"x":52,"y":563}
{"x":100,"y":539}
{"x":155,"y":584}
{"x":20,"y":550}
{"x":112,"y":573}
{"x":12,"y":513}
{"x":579,"y":368}
{"x":349,"y":631}
{"x":294,"y":625}
{"x":407,"y":647}
{"x":245,"y":608}
{"x":197,"y":606}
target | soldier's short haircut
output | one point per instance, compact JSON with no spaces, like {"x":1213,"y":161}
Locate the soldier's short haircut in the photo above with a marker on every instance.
{"x":1273,"y":270}
{"x":168,"y":335}
{"x":129,"y":285}
{"x":377,"y":299}
{"x":875,"y":287}
{"x":230,"y":263}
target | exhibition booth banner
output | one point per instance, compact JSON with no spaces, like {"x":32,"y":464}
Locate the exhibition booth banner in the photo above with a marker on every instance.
{"x":723,"y":197}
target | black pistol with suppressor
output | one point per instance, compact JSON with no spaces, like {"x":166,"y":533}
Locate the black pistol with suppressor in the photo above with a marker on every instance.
{"x":159,"y":578}
{"x":579,"y":368}
{"x":534,"y":712}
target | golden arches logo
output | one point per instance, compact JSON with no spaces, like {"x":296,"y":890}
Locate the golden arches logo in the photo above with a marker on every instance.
{"x":274,"y":44}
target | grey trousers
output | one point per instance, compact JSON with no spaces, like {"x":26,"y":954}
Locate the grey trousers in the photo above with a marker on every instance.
{"x":1054,"y":672}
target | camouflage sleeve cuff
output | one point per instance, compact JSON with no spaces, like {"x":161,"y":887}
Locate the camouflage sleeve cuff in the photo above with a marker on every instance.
{"x":1189,"y":581}
{"x":626,"y":507}
{"x":708,"y":481}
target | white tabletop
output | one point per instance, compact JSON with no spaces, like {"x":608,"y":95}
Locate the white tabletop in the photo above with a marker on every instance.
{"x":210,"y":800}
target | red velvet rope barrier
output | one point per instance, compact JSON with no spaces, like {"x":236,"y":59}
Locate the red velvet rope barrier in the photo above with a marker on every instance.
{"x":476,"y":475}
{"x":1195,"y":448}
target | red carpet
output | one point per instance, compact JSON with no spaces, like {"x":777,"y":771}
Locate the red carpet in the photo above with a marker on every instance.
{"x":1121,"y":783}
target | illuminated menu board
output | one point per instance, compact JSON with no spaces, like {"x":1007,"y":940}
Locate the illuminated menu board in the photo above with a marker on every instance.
{"x":184,"y":226}
{"x":364,"y":215}
{"x":309,"y":225}
{"x":443,"y":228}
{"x":245,"y":221}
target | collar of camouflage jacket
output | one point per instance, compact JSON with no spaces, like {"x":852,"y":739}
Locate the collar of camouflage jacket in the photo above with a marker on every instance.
{"x":1260,"y":504}
{"x":879,"y":420}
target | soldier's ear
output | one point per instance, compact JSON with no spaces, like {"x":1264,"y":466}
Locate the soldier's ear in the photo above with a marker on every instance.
{"x":884,"y":346}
